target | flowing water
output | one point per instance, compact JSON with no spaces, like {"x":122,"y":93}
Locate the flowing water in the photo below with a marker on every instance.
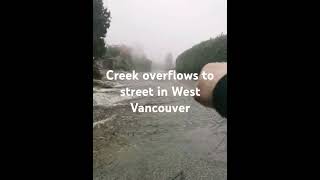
{"x":157,"y":146}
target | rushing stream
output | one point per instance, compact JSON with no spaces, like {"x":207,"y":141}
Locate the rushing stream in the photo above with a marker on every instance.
{"x":156,"y":146}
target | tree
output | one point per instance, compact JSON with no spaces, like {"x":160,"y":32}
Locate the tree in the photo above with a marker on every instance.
{"x":101,"y":22}
{"x":128,"y":58}
{"x":169,"y":61}
{"x":213,"y":50}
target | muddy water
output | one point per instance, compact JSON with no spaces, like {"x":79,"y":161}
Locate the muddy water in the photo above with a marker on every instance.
{"x":158,"y":146}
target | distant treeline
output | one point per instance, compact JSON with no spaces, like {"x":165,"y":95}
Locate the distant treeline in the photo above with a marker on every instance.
{"x":126,"y":58}
{"x":193,"y":59}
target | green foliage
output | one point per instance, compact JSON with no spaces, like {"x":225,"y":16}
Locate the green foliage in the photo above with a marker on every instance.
{"x":193,"y":59}
{"x":101,"y":22}
{"x":124,"y":59}
{"x":121,"y":57}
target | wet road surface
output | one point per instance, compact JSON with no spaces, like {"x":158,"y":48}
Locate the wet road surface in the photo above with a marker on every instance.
{"x":157,"y":146}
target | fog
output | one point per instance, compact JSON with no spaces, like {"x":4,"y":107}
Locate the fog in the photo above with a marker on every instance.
{"x":162,"y":26}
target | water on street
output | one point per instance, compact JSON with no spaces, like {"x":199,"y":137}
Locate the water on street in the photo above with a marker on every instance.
{"x":156,"y":146}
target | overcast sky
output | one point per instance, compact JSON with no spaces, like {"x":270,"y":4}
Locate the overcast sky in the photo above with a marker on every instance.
{"x":162,"y":26}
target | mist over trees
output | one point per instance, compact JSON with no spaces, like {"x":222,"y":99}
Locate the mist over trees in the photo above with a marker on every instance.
{"x":127,"y":58}
{"x":101,"y":22}
{"x":117,"y":57}
{"x":123,"y":57}
{"x":169,"y":61}
{"x":193,"y":59}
